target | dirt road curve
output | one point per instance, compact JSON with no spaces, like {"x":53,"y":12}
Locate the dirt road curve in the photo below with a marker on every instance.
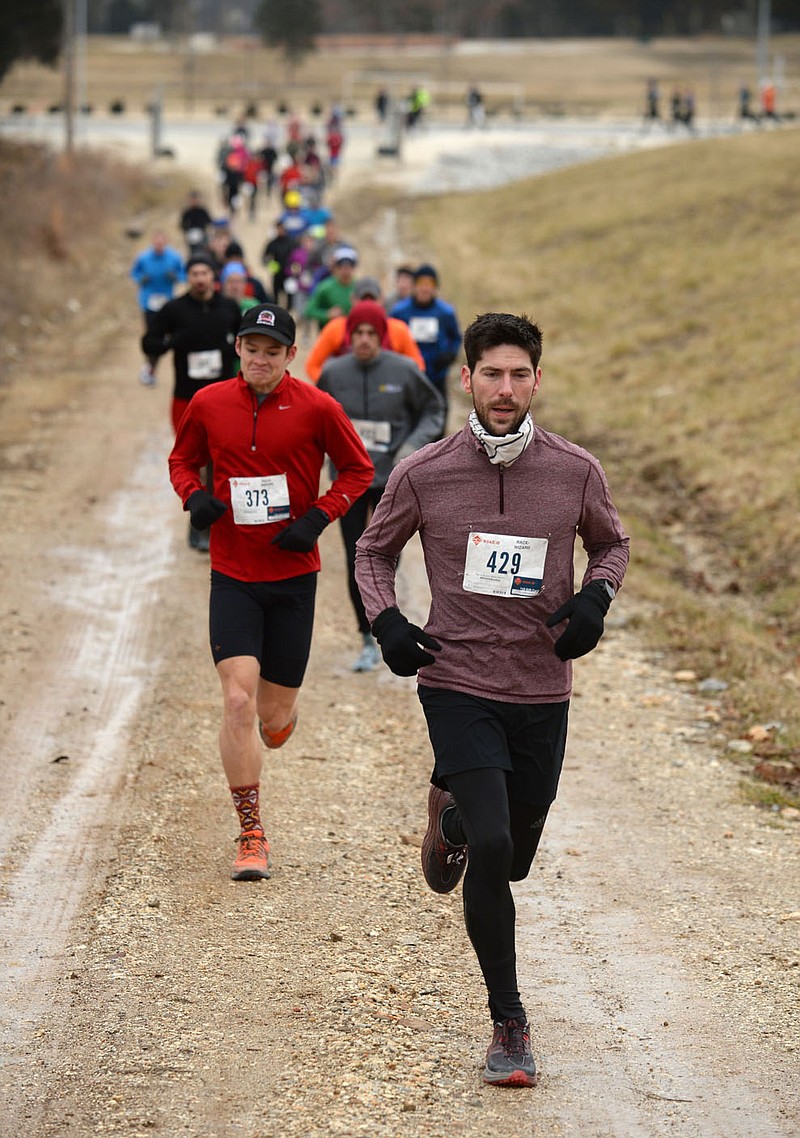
{"x":144,"y":992}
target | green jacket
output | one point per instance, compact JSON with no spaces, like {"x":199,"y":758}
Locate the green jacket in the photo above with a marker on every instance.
{"x":328,"y":294}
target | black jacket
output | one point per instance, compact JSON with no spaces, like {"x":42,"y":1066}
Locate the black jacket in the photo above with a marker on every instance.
{"x":200,"y":334}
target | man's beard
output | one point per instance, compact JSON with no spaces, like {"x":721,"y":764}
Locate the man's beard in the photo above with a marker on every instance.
{"x":511,"y":430}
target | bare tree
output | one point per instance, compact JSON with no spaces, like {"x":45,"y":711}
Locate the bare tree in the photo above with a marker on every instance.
{"x":292,"y":27}
{"x":29,"y":31}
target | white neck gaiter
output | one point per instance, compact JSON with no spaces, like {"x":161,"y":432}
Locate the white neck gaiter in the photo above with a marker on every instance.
{"x":502,"y":449}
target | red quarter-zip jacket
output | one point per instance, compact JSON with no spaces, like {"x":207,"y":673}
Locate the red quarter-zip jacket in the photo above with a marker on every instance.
{"x":289,"y":433}
{"x":497,"y":647}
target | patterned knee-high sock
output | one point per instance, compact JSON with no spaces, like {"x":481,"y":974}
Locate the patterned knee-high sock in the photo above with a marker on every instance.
{"x":245,"y":799}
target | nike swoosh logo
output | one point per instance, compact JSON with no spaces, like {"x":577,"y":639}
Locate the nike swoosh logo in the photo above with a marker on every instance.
{"x":284,"y":406}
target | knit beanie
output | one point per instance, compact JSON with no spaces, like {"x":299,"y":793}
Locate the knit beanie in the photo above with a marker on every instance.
{"x":367,"y":312}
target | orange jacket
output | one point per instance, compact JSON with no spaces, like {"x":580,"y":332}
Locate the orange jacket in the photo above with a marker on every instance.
{"x":332,"y":341}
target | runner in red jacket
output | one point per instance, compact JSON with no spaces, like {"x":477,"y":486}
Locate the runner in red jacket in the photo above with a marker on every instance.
{"x":267,"y":435}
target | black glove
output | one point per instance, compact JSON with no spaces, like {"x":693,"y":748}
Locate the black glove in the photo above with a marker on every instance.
{"x":400,"y":643}
{"x":302,"y":535}
{"x":585,"y":612}
{"x":203,"y":509}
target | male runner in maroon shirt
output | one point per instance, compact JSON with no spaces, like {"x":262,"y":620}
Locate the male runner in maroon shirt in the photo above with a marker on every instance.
{"x":497,"y":507}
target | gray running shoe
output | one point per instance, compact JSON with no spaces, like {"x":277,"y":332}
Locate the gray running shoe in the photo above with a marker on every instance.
{"x":369,"y":657}
{"x":509,"y":1062}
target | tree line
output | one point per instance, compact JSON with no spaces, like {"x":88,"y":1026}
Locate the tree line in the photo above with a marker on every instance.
{"x":545,"y":18}
{"x":34,"y":31}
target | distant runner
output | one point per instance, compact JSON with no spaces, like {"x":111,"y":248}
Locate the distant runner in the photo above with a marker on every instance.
{"x":395,"y":410}
{"x":334,"y":339}
{"x":156,"y":271}
{"x":199,"y":328}
{"x":434,"y":326}
{"x":333,"y":296}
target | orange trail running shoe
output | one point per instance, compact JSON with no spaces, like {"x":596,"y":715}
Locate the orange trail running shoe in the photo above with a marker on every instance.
{"x":252,"y":864}
{"x":275,"y":739}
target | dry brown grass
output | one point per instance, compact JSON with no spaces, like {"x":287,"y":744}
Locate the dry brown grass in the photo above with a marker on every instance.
{"x":667,"y":286}
{"x":63,"y":275}
{"x":592,"y":77}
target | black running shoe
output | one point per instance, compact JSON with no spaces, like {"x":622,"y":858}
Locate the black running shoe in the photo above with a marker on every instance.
{"x":509,"y":1062}
{"x":442,"y":862}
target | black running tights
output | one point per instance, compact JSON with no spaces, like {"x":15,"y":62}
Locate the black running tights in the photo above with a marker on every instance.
{"x":502,"y":837}
{"x":353,"y":525}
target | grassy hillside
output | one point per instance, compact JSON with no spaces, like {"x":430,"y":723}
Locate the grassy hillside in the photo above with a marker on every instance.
{"x":64,"y":278}
{"x":667,"y":285}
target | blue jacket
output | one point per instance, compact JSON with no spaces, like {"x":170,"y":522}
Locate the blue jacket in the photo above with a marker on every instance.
{"x":436,"y":332}
{"x":156,"y":275}
{"x":294,"y":222}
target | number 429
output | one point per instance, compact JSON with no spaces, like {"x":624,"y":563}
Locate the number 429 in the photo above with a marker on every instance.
{"x":499,"y":562}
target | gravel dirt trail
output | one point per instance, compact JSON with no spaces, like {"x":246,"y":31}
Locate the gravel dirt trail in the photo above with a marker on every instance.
{"x":144,"y":992}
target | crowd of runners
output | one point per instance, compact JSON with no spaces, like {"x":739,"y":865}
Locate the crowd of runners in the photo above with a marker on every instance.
{"x":193,"y":292}
{"x":498,"y":506}
{"x":757,"y":108}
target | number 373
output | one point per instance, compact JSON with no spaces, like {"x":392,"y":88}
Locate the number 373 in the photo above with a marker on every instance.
{"x":256,"y":498}
{"x":504,"y":562}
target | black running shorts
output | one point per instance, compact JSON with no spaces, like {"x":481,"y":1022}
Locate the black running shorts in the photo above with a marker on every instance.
{"x":527,"y":740}
{"x":271,"y":620}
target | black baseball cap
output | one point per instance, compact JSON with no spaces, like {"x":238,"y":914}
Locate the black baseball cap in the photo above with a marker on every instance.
{"x":269,"y":320}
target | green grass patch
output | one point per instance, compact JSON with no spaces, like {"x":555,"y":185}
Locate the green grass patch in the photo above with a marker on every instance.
{"x":761,"y":794}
